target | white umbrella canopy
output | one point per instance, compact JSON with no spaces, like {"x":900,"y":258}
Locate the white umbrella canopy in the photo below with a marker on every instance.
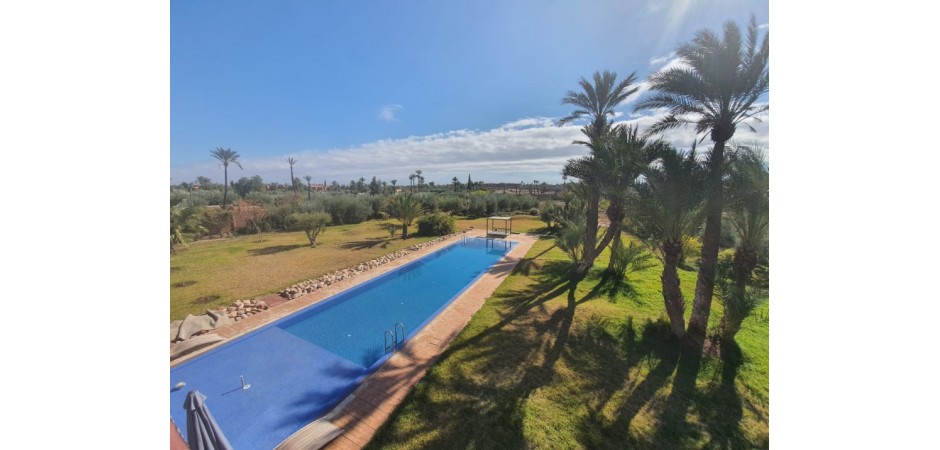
{"x":201,"y":430}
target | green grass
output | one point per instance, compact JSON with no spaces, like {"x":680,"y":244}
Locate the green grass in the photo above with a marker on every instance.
{"x":212,"y":274}
{"x":551,"y":364}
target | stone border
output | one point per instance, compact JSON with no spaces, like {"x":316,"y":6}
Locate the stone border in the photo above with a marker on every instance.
{"x":242,"y":309}
{"x":280,"y":307}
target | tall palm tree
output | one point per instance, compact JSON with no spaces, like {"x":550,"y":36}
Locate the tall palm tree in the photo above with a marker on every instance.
{"x":226,"y":156}
{"x":718,"y":88}
{"x":668,"y":206}
{"x":293,"y":184}
{"x":308,"y":178}
{"x":456,"y":183}
{"x":596,"y":102}
{"x":406,"y":208}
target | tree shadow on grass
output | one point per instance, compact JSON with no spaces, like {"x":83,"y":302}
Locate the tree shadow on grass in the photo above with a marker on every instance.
{"x":722,"y":411}
{"x":367,"y":243}
{"x":475,"y":396}
{"x":639,"y":367}
{"x":526,"y":264}
{"x":717,"y":408}
{"x":612,"y":286}
{"x":274,"y":249}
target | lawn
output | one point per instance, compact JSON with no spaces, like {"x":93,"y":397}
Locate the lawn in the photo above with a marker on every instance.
{"x":214,"y":273}
{"x":547,"y":363}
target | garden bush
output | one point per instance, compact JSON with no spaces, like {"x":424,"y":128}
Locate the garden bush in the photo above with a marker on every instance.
{"x":436,"y":224}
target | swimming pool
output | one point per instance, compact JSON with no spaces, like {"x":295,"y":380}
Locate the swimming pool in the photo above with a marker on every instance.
{"x":301,"y":366}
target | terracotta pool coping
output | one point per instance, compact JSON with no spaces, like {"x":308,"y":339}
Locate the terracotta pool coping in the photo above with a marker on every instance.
{"x":378,"y":395}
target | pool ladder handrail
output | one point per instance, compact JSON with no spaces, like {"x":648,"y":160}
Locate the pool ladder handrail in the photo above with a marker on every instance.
{"x":402,"y":341}
{"x":394,"y":341}
{"x":394,"y":335}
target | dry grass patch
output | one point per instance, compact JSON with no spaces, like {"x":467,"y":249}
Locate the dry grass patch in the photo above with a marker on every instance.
{"x":211,"y":274}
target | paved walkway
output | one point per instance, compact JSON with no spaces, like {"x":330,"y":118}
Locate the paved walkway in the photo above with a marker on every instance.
{"x":374,"y":400}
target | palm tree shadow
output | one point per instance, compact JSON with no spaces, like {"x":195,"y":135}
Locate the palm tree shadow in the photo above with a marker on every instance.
{"x":366,"y":244}
{"x":538,"y":333}
{"x":274,"y":249}
{"x":723,"y":410}
{"x":613,"y":286}
{"x":525,"y":265}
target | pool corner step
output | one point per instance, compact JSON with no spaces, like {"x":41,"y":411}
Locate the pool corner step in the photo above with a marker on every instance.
{"x":318,"y":433}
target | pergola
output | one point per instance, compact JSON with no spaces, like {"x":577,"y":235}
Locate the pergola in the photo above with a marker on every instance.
{"x":498,"y":227}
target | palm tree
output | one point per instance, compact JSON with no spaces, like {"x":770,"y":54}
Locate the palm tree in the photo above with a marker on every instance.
{"x":226,"y":156}
{"x":293,"y":184}
{"x":749,"y":216}
{"x":420,"y":177}
{"x":456,"y":183}
{"x":406,"y":208}
{"x":716,"y":91}
{"x":597,"y":102}
{"x":308,"y":178}
{"x":667,"y":207}
{"x":622,"y":161}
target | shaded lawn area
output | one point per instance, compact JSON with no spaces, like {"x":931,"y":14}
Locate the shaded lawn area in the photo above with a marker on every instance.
{"x":214,"y":273}
{"x":550,"y":364}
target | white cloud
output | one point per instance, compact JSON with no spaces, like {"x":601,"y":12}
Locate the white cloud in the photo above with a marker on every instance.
{"x":659,"y":60}
{"x":387,"y":112}
{"x":525,"y":149}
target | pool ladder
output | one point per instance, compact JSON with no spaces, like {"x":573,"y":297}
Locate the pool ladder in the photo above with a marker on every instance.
{"x":394,"y":335}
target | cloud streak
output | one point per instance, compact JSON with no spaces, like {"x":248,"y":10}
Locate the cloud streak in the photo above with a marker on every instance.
{"x":387,"y":113}
{"x":526,"y":149}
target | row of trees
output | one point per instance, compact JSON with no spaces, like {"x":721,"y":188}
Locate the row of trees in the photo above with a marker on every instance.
{"x":268,"y":211}
{"x":664,"y":195}
{"x":227,"y":156}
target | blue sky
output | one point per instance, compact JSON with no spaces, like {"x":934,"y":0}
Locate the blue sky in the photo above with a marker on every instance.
{"x":355,"y":88}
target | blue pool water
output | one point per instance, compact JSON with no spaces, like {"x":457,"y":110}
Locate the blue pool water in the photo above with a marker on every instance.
{"x":301,"y":366}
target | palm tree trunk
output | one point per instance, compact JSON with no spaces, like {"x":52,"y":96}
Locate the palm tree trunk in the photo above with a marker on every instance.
{"x":590,"y":236}
{"x":404,"y":231}
{"x":705,"y":284}
{"x":225,"y":187}
{"x":672,"y":292}
{"x":745,"y":259}
{"x":615,"y":215}
{"x":615,"y":242}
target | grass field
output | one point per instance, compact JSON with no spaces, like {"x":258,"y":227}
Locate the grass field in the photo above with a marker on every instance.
{"x":214,"y":273}
{"x":547,"y":363}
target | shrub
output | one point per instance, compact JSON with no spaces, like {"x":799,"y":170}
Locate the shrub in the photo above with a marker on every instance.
{"x":279,"y":217}
{"x":216,"y":221}
{"x":310,"y":223}
{"x":377,"y":202}
{"x":477,"y":206}
{"x":632,"y":258}
{"x":428,"y":201}
{"x":436,"y":224}
{"x":549,"y":214}
{"x":451,"y":204}
{"x":347,"y":209}
{"x":261,"y":197}
{"x":534,"y":212}
{"x":691,"y":250}
{"x":737,"y":307}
